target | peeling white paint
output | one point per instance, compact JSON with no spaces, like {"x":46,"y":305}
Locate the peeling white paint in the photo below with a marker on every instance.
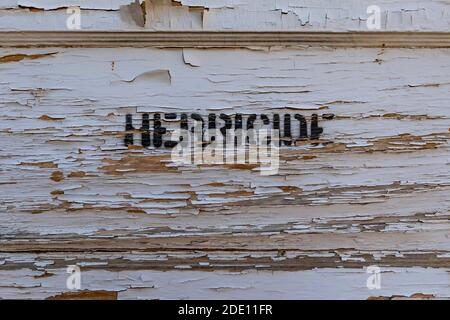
{"x":373,"y":190}
{"x":335,"y":284}
{"x":269,"y":15}
{"x":83,"y":4}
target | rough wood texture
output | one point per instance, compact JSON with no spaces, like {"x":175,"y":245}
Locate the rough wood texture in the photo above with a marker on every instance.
{"x":224,"y":39}
{"x":373,"y":191}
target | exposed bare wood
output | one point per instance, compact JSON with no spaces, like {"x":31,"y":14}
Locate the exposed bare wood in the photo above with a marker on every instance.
{"x":224,"y":39}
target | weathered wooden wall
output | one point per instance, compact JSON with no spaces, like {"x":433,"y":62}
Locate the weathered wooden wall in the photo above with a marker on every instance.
{"x":373,"y":191}
{"x":238,"y":15}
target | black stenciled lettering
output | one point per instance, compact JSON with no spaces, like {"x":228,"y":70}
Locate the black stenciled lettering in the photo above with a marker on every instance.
{"x":170,"y":116}
{"x":170,"y":144}
{"x":145,"y":135}
{"x":129,"y":137}
{"x":251,"y":125}
{"x":303,"y":126}
{"x":238,"y":121}
{"x":158,"y":131}
{"x":251,"y":121}
{"x":211,"y":121}
{"x":316,"y":131}
{"x":212,"y":124}
{"x":228,"y":124}
{"x":237,"y":126}
{"x":198,"y":118}
{"x":289,"y":134}
{"x":184,"y":122}
{"x":265,"y":119}
{"x":287,"y":130}
{"x":184,"y":128}
{"x":276,"y":122}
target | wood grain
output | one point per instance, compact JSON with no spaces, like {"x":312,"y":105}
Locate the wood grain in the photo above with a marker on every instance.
{"x":374,"y":190}
{"x":225,"y":39}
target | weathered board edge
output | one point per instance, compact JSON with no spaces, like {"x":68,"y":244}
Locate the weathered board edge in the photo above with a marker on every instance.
{"x":223,"y":39}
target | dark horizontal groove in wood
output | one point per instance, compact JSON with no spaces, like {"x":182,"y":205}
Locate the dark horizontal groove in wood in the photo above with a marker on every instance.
{"x":223,"y":39}
{"x":295,"y":263}
{"x":186,"y":249}
{"x":39,"y":248}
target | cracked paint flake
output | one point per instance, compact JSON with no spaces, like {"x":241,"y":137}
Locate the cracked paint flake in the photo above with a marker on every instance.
{"x":244,"y":15}
{"x":262,"y":15}
{"x":19,"y":57}
{"x":83,"y":4}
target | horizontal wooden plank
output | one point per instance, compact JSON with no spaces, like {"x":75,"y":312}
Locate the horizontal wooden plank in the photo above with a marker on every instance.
{"x":224,"y":39}
{"x":226,"y":15}
{"x":49,"y":282}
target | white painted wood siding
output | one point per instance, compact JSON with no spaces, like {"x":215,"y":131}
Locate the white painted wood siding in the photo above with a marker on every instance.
{"x":260,"y":15}
{"x":373,"y":190}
